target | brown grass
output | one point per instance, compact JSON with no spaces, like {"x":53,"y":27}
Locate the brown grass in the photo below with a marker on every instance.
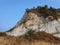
{"x":44,"y":39}
{"x":22,"y":41}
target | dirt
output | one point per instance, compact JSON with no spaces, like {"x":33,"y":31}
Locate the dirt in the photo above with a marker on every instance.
{"x":43,"y":39}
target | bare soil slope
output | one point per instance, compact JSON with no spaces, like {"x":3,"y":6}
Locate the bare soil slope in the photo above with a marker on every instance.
{"x":43,"y":39}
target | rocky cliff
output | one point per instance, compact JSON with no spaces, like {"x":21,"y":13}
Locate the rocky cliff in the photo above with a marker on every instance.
{"x":38,"y":26}
{"x":38,"y":19}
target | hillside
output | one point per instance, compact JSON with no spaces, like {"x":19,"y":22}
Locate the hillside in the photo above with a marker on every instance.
{"x":42,"y":38}
{"x":39,"y":19}
{"x":38,"y":26}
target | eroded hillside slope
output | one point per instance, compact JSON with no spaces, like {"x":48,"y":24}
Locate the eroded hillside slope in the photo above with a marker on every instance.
{"x":43,"y":38}
{"x":38,"y":26}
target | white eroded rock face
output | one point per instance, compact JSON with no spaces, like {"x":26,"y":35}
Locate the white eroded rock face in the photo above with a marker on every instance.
{"x":17,"y":31}
{"x":38,"y":24}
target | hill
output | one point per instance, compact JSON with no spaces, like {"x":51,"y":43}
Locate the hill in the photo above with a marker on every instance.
{"x":38,"y":26}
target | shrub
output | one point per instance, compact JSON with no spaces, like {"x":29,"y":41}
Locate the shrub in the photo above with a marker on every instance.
{"x":31,"y":34}
{"x":2,"y":34}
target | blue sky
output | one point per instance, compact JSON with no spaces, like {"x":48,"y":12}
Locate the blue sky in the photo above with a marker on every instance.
{"x":11,"y":11}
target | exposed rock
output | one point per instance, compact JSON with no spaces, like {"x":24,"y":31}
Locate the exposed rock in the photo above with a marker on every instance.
{"x":34,"y":22}
{"x":43,"y":20}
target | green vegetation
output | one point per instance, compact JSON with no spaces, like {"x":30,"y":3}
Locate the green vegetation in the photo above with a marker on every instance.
{"x":31,"y":35}
{"x":45,"y":11}
{"x":2,"y":34}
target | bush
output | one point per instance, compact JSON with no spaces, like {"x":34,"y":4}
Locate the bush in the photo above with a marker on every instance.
{"x":31,"y":34}
{"x":2,"y":34}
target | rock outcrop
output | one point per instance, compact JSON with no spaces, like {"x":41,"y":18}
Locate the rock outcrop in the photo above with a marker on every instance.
{"x":38,"y":19}
{"x":42,"y":25}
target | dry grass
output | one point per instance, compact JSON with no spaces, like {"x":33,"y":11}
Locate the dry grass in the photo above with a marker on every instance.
{"x":21,"y":41}
{"x":44,"y":39}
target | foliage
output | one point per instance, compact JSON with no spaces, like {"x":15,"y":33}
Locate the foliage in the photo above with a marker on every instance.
{"x":45,"y":11}
{"x":2,"y":34}
{"x":31,"y":35}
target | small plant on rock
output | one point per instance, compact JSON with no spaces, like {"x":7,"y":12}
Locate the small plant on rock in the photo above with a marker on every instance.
{"x":31,"y":34}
